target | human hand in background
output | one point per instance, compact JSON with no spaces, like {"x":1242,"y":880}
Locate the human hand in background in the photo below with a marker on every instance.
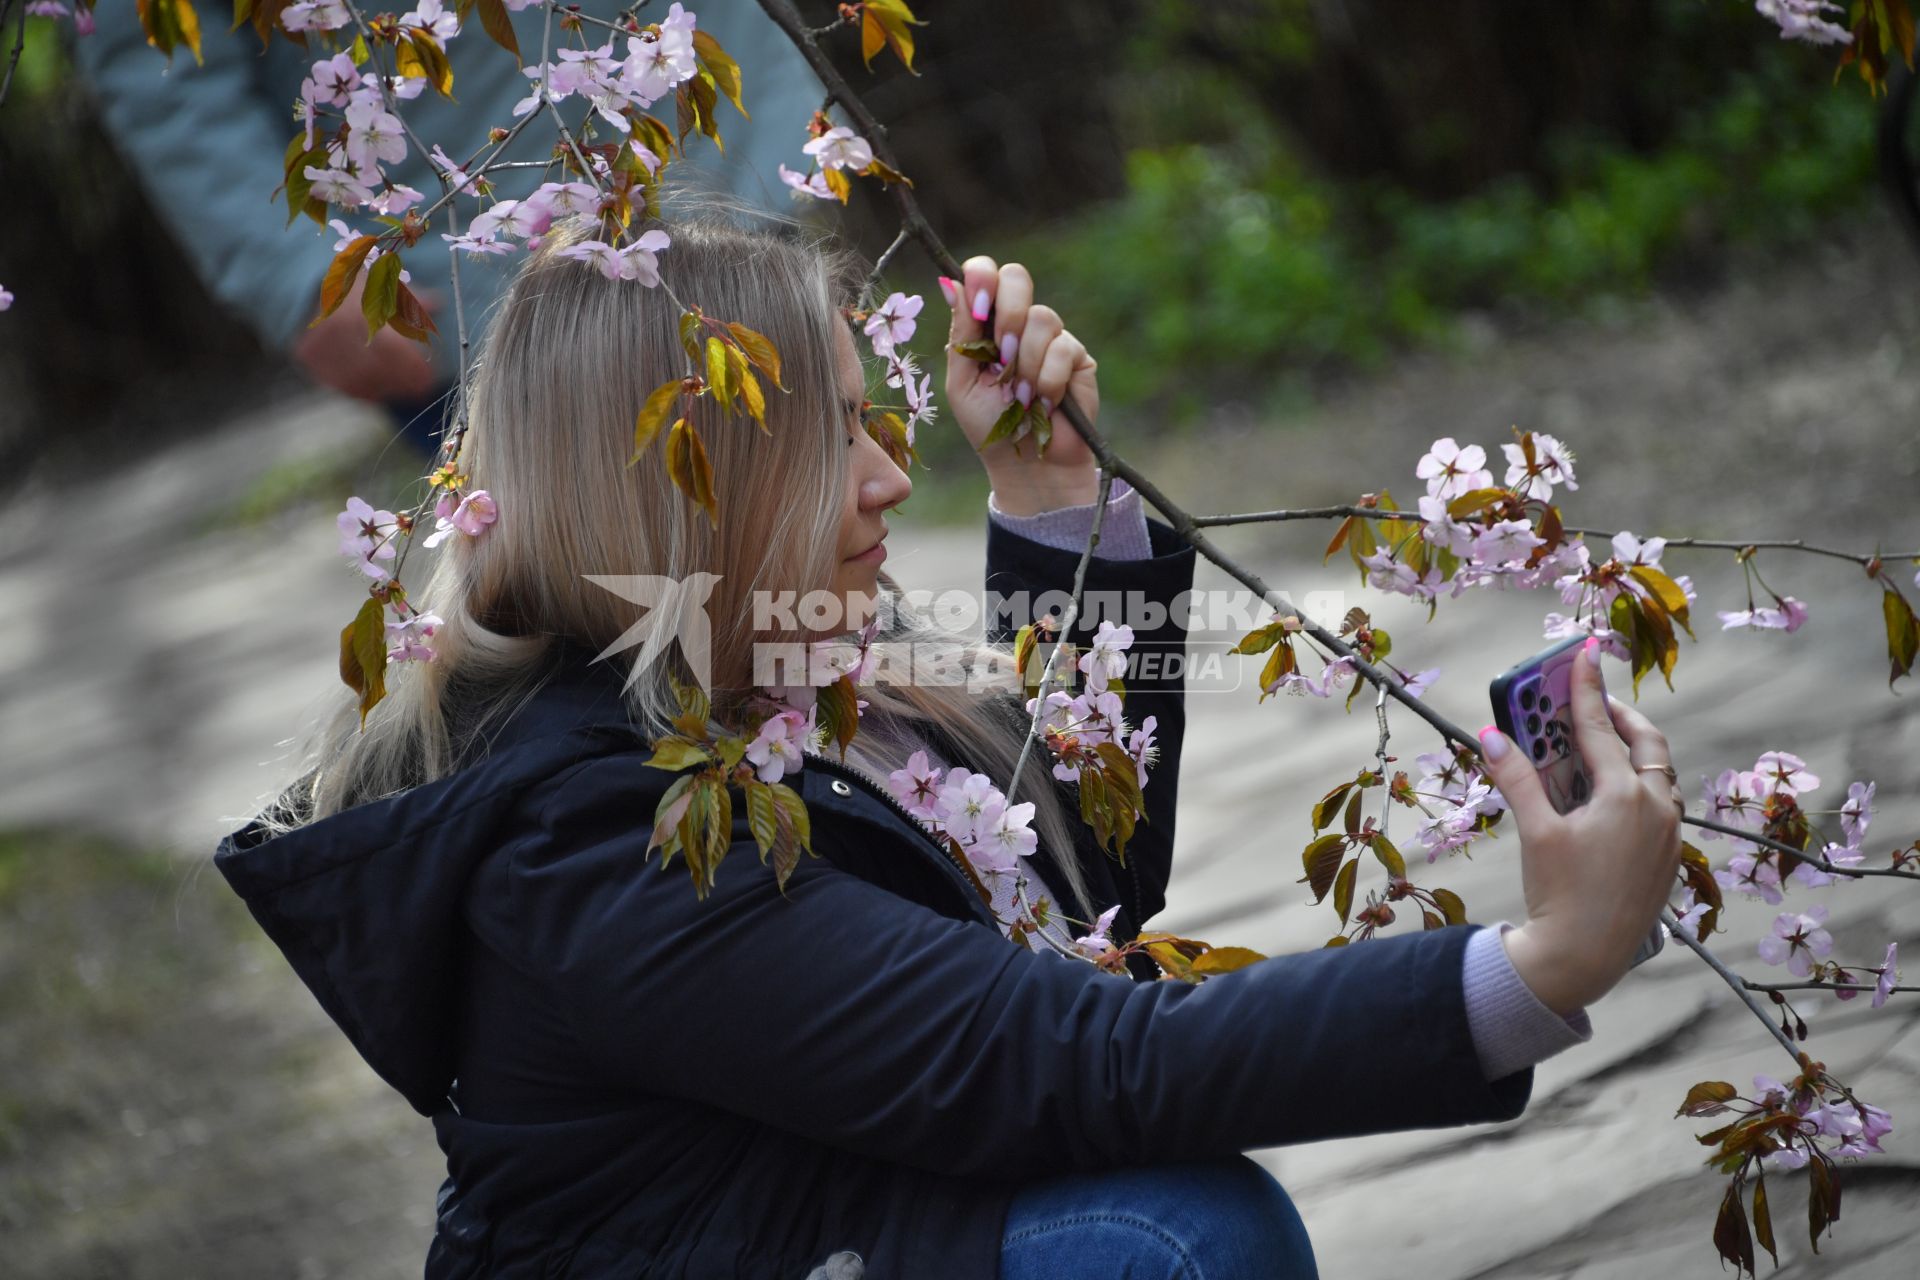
{"x":1596,"y":876}
{"x":337,"y":354}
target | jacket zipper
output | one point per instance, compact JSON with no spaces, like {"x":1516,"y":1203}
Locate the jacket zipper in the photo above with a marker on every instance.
{"x":947,"y":857}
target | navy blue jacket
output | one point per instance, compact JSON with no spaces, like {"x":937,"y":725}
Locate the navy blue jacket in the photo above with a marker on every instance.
{"x":629,"y":1081}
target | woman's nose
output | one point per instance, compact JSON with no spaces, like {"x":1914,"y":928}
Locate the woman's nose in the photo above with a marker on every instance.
{"x":887,"y":487}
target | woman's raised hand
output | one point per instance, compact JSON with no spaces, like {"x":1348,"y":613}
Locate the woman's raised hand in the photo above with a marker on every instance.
{"x":1596,"y":877}
{"x":1046,"y":363}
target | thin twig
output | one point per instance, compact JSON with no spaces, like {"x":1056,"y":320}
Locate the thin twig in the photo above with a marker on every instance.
{"x":1341,"y":510}
{"x":19,"y":41}
{"x":1066,"y":633}
{"x":1733,"y":980}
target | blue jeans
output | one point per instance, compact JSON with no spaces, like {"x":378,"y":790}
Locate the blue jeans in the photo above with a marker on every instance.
{"x":1214,"y":1220}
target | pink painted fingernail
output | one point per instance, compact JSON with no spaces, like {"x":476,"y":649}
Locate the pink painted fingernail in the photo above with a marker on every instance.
{"x":1023,"y":392}
{"x":1592,"y":649}
{"x":980,"y":305}
{"x":950,"y":291}
{"x":1009,"y":344}
{"x":1493,"y":742}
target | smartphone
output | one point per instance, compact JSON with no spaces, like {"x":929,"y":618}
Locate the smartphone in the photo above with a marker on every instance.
{"x":1533,"y":706}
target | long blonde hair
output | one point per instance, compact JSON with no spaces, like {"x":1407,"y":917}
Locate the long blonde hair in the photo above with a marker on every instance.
{"x":558,"y":376}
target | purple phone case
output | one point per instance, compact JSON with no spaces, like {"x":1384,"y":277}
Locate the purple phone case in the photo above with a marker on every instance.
{"x":1533,"y":705}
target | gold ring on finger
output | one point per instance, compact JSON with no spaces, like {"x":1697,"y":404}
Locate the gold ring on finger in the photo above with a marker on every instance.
{"x":1661,"y":768}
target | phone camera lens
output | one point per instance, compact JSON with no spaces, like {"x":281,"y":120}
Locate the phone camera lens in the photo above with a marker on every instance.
{"x":1539,"y":749}
{"x":1546,"y":705}
{"x":1533,"y":724}
{"x":1526,"y":698}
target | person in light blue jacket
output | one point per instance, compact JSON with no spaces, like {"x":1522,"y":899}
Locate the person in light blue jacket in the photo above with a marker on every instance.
{"x":208,"y":143}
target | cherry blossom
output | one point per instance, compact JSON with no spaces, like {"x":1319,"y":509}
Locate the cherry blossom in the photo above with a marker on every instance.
{"x":917,"y":786}
{"x":1857,"y":812}
{"x":469,"y":515}
{"x":1798,"y":939}
{"x":366,"y":535}
{"x":840,"y":148}
{"x":1787,"y":617}
{"x":6,"y":298}
{"x":315,"y":15}
{"x":1747,"y":874}
{"x":408,"y":639}
{"x":432,"y":15}
{"x":1141,"y":746}
{"x":656,"y":63}
{"x":892,"y":323}
{"x":1507,"y":541}
{"x":807,"y":184}
{"x":1451,"y":470}
{"x":1441,"y":529}
{"x":374,"y":135}
{"x":1097,"y":941}
{"x":1106,"y":659}
{"x":1552,"y":464}
{"x":1785,"y":773}
{"x":1692,"y":914}
{"x":1889,"y":976}
{"x":1002,"y":835}
{"x":963,"y":799}
{"x":529,"y":217}
{"x":334,"y":185}
{"x":780,"y":746}
{"x":1805,"y":20}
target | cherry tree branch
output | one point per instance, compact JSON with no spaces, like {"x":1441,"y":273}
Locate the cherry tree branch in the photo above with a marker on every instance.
{"x":19,"y":40}
{"x":1343,"y":510}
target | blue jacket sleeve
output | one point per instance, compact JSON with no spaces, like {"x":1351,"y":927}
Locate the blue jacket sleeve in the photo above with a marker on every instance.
{"x":860,"y":1019}
{"x":207,"y":144}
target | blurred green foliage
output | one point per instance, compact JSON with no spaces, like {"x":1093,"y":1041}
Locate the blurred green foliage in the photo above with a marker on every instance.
{"x":1231,"y":256}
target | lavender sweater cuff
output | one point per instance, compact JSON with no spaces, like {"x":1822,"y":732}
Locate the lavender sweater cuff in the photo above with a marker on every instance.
{"x":1511,"y":1028}
{"x":1123,"y":531}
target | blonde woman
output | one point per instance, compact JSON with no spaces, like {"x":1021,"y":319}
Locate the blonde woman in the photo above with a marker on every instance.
{"x":863,"y":1074}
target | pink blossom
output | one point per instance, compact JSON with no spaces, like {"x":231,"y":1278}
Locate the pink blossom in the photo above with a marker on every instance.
{"x":840,"y":148}
{"x":523,"y":218}
{"x":433,"y":16}
{"x":963,"y":801}
{"x":1857,"y":812}
{"x":892,"y":323}
{"x":1692,"y":914}
{"x":1441,"y":529}
{"x":6,"y":298}
{"x":467,"y":244}
{"x":408,"y":639}
{"x":1421,"y":681}
{"x":1889,"y":976}
{"x":807,"y":184}
{"x":366,"y":535}
{"x":1002,"y":835}
{"x":917,"y":786}
{"x":1507,"y":541}
{"x":1781,"y":771}
{"x":1106,"y":659}
{"x":1805,"y":20}
{"x":1097,"y":942}
{"x":1451,"y":470}
{"x":315,"y":15}
{"x":335,"y":185}
{"x":469,"y":515}
{"x":1628,"y":549}
{"x":1552,"y":464}
{"x":779,"y":746}
{"x":374,"y":135}
{"x":1140,"y":746}
{"x":1798,"y":939}
{"x":1746,"y":874}
{"x":563,"y":198}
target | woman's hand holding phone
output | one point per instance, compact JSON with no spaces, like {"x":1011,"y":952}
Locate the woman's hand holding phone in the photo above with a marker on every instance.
{"x":1596,"y":876}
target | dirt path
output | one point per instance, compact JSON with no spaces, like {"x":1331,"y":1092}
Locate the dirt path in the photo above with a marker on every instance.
{"x":155,"y":668}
